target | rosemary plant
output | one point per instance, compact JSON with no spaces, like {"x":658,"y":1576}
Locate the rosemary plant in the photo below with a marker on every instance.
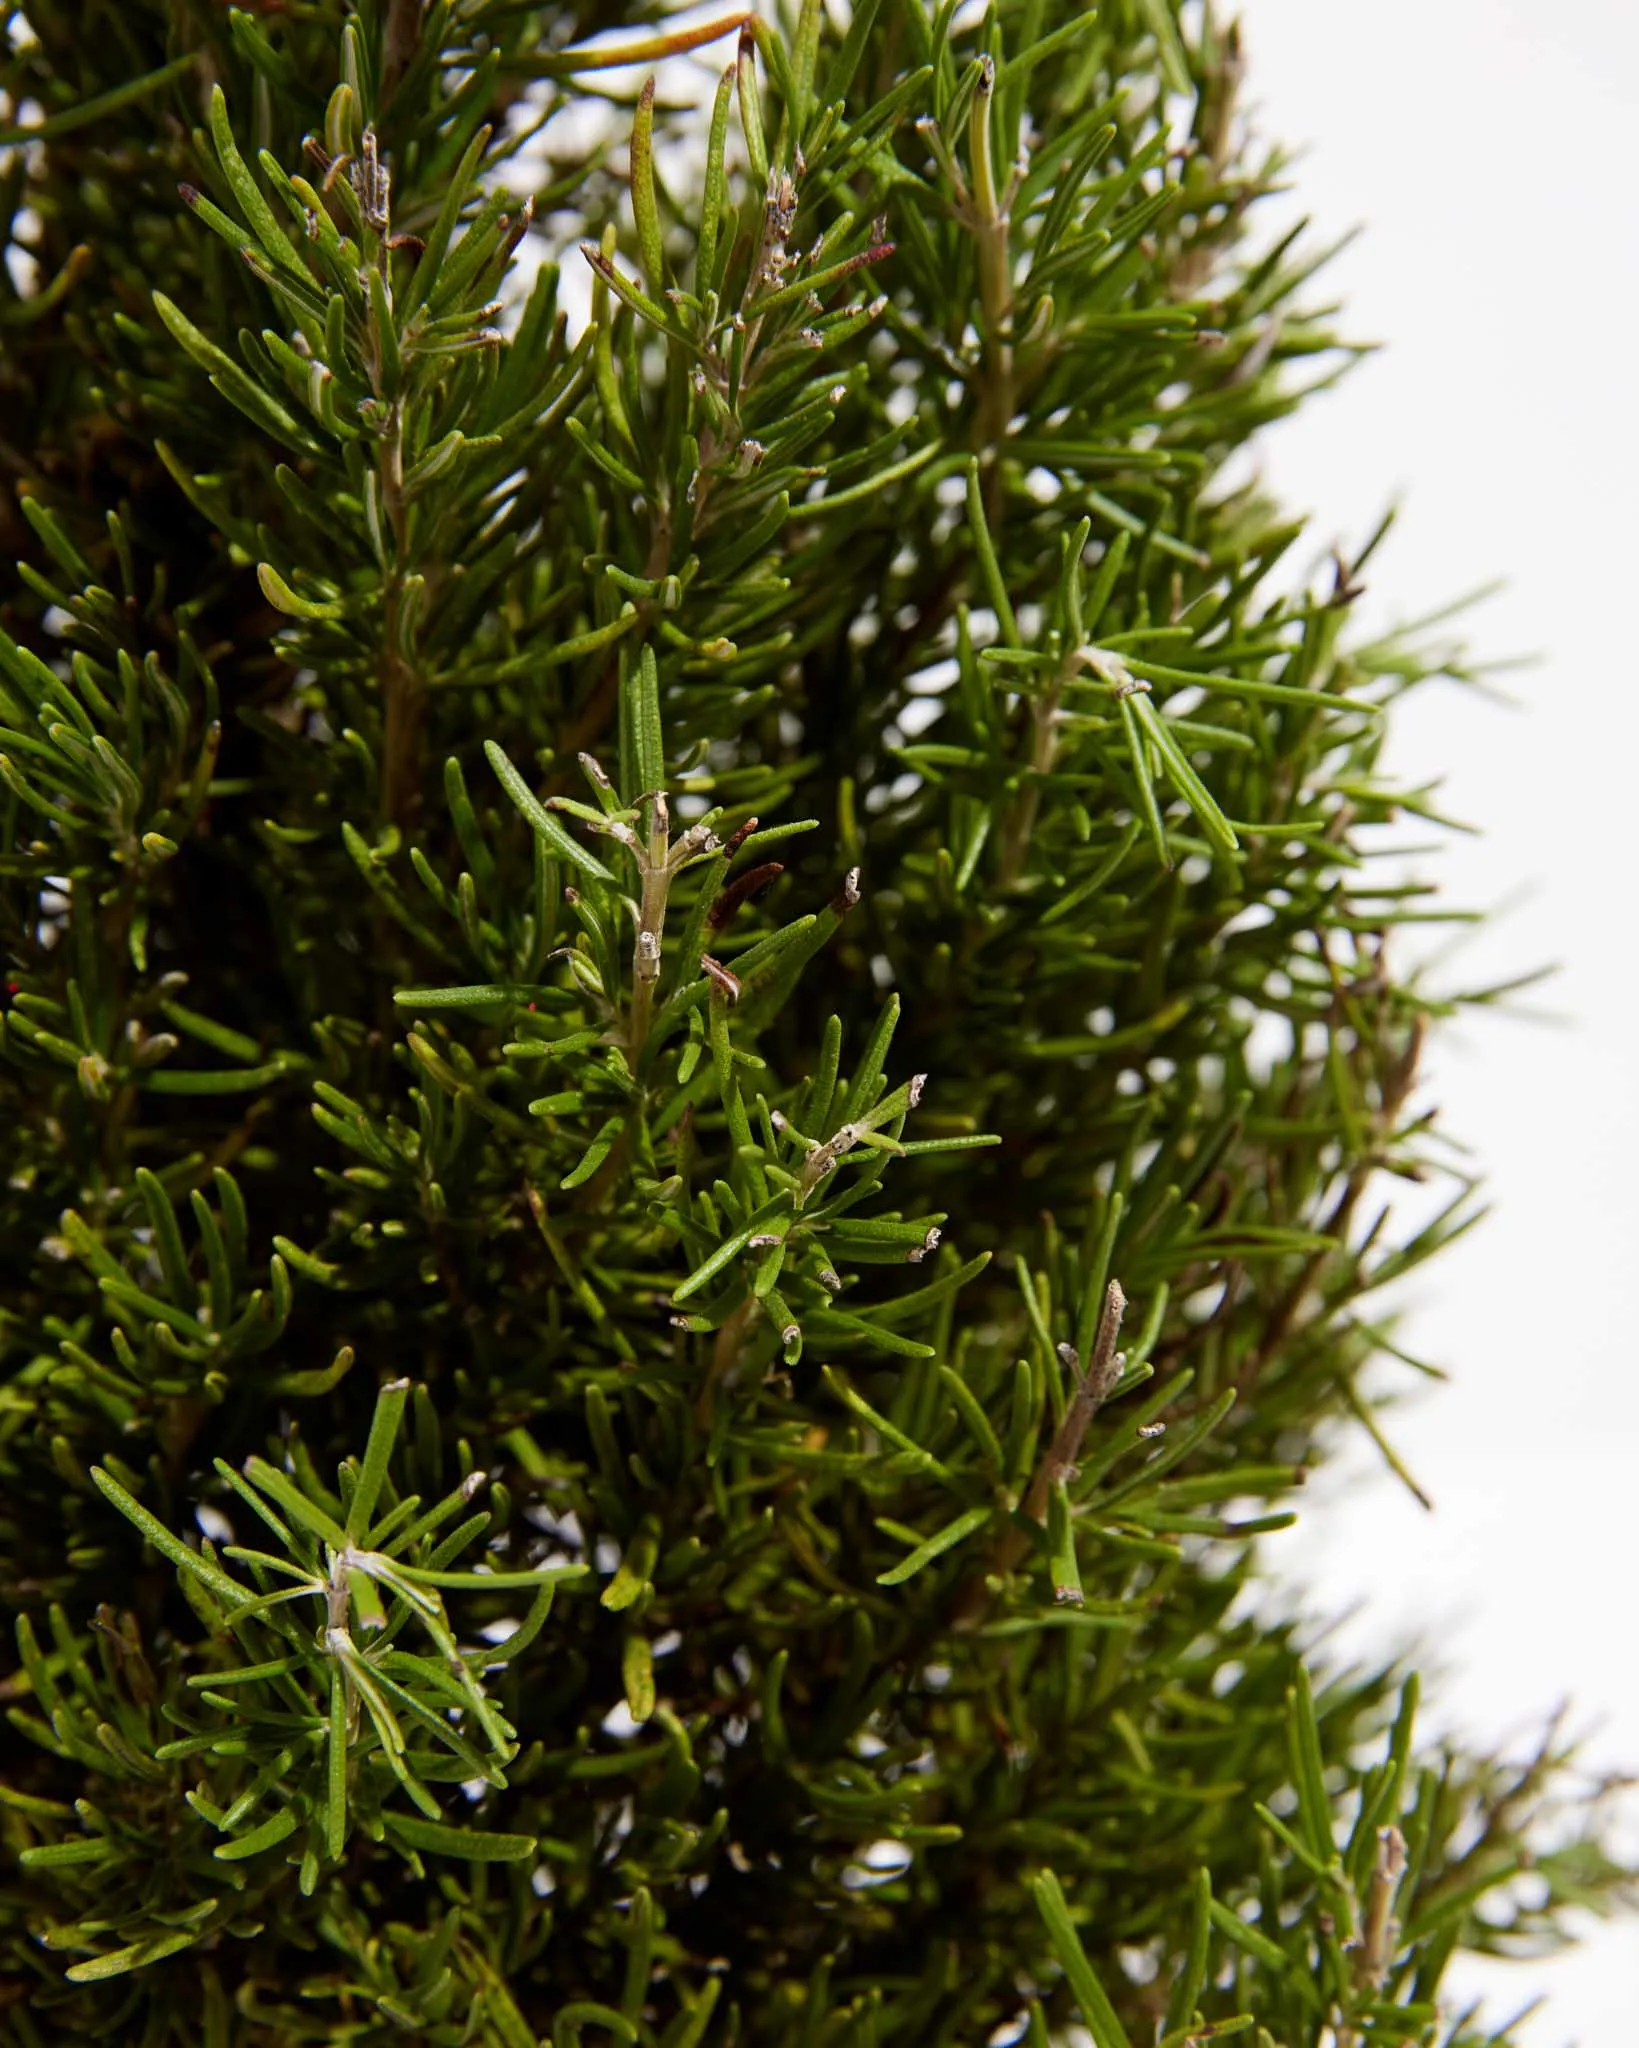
{"x":701,"y":1027}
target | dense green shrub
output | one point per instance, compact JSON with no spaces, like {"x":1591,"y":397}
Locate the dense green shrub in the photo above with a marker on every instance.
{"x":701,"y":1027}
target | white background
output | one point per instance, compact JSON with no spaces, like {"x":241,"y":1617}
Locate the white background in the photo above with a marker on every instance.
{"x":1488,"y":148}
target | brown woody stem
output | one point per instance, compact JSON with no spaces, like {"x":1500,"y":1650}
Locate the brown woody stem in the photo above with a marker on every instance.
{"x":1059,"y":1463}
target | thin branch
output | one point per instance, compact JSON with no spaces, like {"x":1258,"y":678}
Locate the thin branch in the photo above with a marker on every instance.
{"x":1092,"y":1391}
{"x":1059,"y":1462}
{"x":1375,"y":1949}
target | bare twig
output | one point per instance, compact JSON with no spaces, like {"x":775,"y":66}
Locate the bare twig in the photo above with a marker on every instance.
{"x":1058,"y":1463}
{"x":1373,"y":1951}
{"x":1092,"y":1390}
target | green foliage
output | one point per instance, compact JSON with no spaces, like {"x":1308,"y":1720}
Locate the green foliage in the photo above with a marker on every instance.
{"x":292,"y":1750}
{"x":552,"y":844}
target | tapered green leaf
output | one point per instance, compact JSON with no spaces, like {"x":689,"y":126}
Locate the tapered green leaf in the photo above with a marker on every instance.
{"x":471,"y":1845}
{"x":1098,"y":2014}
{"x":97,"y":108}
{"x":154,"y":1531}
{"x":278,"y":1828}
{"x":936,"y":1546}
{"x":377,"y":1453}
{"x":541,"y":820}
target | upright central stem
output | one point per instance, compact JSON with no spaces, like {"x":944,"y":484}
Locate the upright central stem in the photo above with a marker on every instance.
{"x":403,"y":687}
{"x":992,"y":226}
{"x":1021,"y":820}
